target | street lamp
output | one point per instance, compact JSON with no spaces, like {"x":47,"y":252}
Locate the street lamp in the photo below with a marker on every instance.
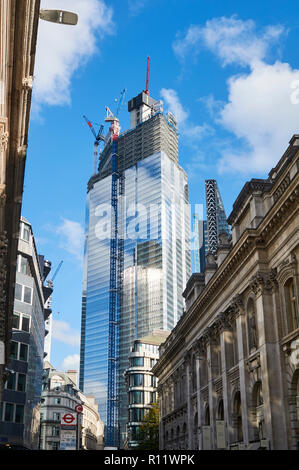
{"x":59,"y":16}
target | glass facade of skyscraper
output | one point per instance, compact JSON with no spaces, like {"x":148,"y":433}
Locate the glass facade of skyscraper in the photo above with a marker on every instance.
{"x":154,"y":225}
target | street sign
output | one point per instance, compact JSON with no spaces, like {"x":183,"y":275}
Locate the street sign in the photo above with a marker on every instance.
{"x":79,"y":408}
{"x":69,"y":419}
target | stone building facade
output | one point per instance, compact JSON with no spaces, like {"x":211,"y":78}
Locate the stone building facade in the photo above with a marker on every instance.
{"x":18,"y":33}
{"x":60,"y":397}
{"x":229,"y":372}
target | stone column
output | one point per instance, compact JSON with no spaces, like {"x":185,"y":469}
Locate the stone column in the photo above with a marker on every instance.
{"x":225,"y":339}
{"x":238,"y":308}
{"x":264,"y":285}
{"x":161,"y":416}
{"x":209,"y":343}
{"x":189,"y":406}
{"x":198,"y":358}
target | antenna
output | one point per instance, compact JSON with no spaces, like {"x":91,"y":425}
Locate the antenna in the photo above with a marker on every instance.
{"x":147,"y":75}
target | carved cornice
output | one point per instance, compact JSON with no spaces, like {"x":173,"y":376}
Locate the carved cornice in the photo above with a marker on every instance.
{"x":3,"y":139}
{"x":237,"y":305}
{"x":264,"y":282}
{"x":27,"y":83}
{"x":223,"y":322}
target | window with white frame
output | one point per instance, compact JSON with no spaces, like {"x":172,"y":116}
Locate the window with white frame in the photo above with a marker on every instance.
{"x":23,"y":265}
{"x":25,"y":231}
{"x":21,"y":322}
{"x":12,"y":413}
{"x":16,"y":382}
{"x":23,"y":293}
{"x":19,"y":351}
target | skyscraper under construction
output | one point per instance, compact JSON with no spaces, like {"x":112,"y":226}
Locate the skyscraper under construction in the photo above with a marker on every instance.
{"x":153,"y":251}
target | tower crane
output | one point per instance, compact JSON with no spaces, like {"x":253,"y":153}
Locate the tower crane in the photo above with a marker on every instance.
{"x":98,"y":138}
{"x":120,"y":101}
{"x":57,"y":269}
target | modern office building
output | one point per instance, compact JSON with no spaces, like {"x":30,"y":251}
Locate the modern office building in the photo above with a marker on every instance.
{"x":60,"y":397}
{"x":153,"y":256}
{"x":229,"y":371}
{"x":19,"y":410}
{"x":200,"y":248}
{"x":216,"y":217}
{"x":141,"y":382}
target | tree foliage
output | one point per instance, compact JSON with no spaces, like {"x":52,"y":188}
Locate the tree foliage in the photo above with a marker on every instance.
{"x":149,"y":430}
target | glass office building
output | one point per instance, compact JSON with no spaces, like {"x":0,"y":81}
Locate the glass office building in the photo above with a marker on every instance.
{"x":200,"y":231}
{"x":154,"y":228}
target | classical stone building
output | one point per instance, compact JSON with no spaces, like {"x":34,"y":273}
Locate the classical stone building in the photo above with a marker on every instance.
{"x":229,"y":372}
{"x":18,"y":32}
{"x":60,"y":397}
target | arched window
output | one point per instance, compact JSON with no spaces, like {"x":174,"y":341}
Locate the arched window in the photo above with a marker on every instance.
{"x":291,"y":306}
{"x":252,"y":326}
{"x":220,"y":411}
{"x":238,"y":417}
{"x":207,"y":416}
{"x":259,"y":411}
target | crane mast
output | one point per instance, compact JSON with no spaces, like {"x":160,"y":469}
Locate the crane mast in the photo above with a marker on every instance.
{"x":112,"y":436}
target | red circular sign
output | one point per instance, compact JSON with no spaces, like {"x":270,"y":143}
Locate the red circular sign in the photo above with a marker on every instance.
{"x":79,"y":408}
{"x":68,"y":418}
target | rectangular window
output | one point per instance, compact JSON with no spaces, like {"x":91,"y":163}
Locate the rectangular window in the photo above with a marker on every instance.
{"x":18,"y":292}
{"x":27,"y":295}
{"x":23,"y":265}
{"x":137,"y":361}
{"x":56,"y":401}
{"x":19,"y":417}
{"x":25,"y":323}
{"x":55,"y":431}
{"x":14,"y":350}
{"x":154,"y":381}
{"x":21,"y":387}
{"x":11,"y":382}
{"x":8,"y":414}
{"x":26,"y":232}
{"x":136,"y":397}
{"x":23,"y":352}
{"x":16,"y":321}
{"x":56,"y":416}
{"x":55,"y":445}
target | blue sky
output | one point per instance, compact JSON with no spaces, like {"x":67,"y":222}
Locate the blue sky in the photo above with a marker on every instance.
{"x":227,"y":70}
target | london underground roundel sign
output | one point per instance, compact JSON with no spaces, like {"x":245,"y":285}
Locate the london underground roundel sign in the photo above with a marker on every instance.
{"x":78,"y":408}
{"x":68,"y":418}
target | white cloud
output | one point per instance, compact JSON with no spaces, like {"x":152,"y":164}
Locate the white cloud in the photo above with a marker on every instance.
{"x":174,"y":105}
{"x":231,"y":39}
{"x":187,"y":129}
{"x":135,"y":6}
{"x":259,"y":112}
{"x":71,"y":237}
{"x":62,"y":49}
{"x":62,"y":331}
{"x":71,"y":362}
